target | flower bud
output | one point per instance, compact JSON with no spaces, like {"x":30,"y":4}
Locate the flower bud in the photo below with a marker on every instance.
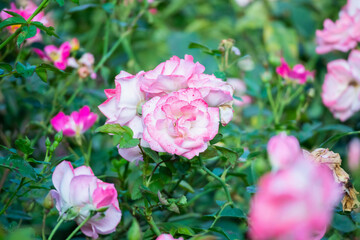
{"x":47,"y":142}
{"x":48,"y":202}
{"x":59,"y":136}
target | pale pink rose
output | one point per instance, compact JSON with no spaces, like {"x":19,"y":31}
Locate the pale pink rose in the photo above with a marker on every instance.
{"x":341,"y":88}
{"x":170,"y":76}
{"x":58,"y":56}
{"x":125,"y":101}
{"x":85,"y":65}
{"x":167,"y":237}
{"x":76,"y":123}
{"x":283,"y":151}
{"x":26,"y":13}
{"x":294,"y":203}
{"x":352,"y":8}
{"x":354,"y":154}
{"x":79,"y":191}
{"x":216,"y":93}
{"x":343,"y":35}
{"x":239,"y":91}
{"x":180,"y":123}
{"x":298,"y":74}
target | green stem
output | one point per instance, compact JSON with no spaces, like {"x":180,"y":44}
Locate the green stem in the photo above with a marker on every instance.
{"x":153,"y":226}
{"x":13,"y":196}
{"x":17,"y":32}
{"x":223,"y":184}
{"x":272,"y":102}
{"x":80,"y":225}
{"x":43,"y":225}
{"x":218,"y":215}
{"x":56,"y":228}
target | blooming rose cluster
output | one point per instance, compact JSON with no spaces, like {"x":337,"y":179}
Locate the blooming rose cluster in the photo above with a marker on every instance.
{"x":26,"y":11}
{"x":298,"y":73}
{"x":297,"y":199}
{"x":340,"y":91}
{"x":79,"y":194}
{"x":174,"y":108}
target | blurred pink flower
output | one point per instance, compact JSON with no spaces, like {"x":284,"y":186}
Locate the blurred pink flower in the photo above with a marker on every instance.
{"x":26,"y":13}
{"x":354,"y":154}
{"x":343,"y":35}
{"x":352,"y":8}
{"x":75,"y":45}
{"x":76,"y":123}
{"x":59,"y":56}
{"x":341,"y":88}
{"x":85,"y":65}
{"x":170,"y":76}
{"x":283,"y":151}
{"x":167,"y":237}
{"x":180,"y":123}
{"x":298,"y":73}
{"x":239,"y":91}
{"x":294,"y":203}
{"x":78,"y":192}
{"x":243,"y":3}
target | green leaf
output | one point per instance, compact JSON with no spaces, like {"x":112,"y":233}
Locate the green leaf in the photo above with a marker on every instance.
{"x":42,"y":74}
{"x":24,"y":145}
{"x":125,"y":135}
{"x":152,"y":154}
{"x":27,"y":32}
{"x":60,"y":2}
{"x":25,"y":71}
{"x":18,"y":165}
{"x":45,"y":66}
{"x":219,"y":230}
{"x":134,"y":232}
{"x":193,"y":45}
{"x":220,"y":75}
{"x":6,"y":67}
{"x":48,"y":30}
{"x":12,"y":21}
{"x":332,"y":140}
{"x":343,"y":223}
{"x":14,"y":14}
{"x":231,"y":212}
{"x":76,"y":1}
{"x":186,"y":186}
{"x":22,"y":233}
{"x":83,"y":7}
{"x":229,"y":154}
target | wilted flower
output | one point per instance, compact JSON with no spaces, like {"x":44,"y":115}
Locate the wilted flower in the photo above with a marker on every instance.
{"x":341,"y":88}
{"x":167,"y":237}
{"x":75,"y":124}
{"x":298,"y":74}
{"x":180,"y":123}
{"x":59,"y":56}
{"x":79,"y":193}
{"x":26,"y":12}
{"x":354,"y":154}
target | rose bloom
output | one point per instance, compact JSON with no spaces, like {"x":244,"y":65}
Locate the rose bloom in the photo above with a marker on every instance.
{"x":342,"y":35}
{"x":85,"y":65}
{"x":170,"y":76}
{"x":298,"y":74}
{"x":78,"y":192}
{"x":75,"y":124}
{"x":341,"y":88}
{"x":354,"y":154}
{"x":59,"y":56}
{"x":167,"y":237}
{"x":180,"y":123}
{"x":294,"y":203}
{"x":283,"y":150}
{"x":352,"y":8}
{"x":26,"y":12}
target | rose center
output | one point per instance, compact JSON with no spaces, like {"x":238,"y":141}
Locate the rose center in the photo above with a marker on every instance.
{"x":54,"y":56}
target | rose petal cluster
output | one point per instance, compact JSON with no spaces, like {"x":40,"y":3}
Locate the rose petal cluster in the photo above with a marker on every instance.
{"x":295,"y":202}
{"x":173,"y":108}
{"x":75,"y":124}
{"x":78,"y":193}
{"x":57,"y":55}
{"x":167,"y":237}
{"x":298,"y":73}
{"x":341,"y":88}
{"x":26,"y":12}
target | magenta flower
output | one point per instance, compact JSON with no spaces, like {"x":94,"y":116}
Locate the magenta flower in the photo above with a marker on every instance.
{"x":78,"y":192}
{"x":167,"y":237}
{"x":341,"y":88}
{"x":59,"y":56}
{"x":298,"y":73}
{"x":343,"y":35}
{"x":354,"y":154}
{"x":26,"y":12}
{"x":180,"y":123}
{"x":75,"y":124}
{"x":283,"y":151}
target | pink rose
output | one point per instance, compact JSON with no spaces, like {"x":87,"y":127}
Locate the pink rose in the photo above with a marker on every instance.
{"x":216,"y":93}
{"x":298,"y":73}
{"x":283,"y":151}
{"x":170,"y":76}
{"x":59,"y":56}
{"x":352,"y":8}
{"x":85,"y":65}
{"x":78,"y":192}
{"x":76,"y":123}
{"x":180,"y":123}
{"x":26,"y":13}
{"x":167,"y":237}
{"x":294,"y":203}
{"x":124,"y":102}
{"x":342,"y":35}
{"x":354,"y":154}
{"x":239,"y":91}
{"x":341,"y":89}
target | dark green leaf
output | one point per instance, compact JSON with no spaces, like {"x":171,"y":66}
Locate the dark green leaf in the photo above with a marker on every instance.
{"x":332,"y":140}
{"x":193,"y":45}
{"x":45,"y":66}
{"x":219,"y":230}
{"x":220,"y":75}
{"x":76,"y":1}
{"x":343,"y":223}
{"x":24,"y":145}
{"x":229,"y":154}
{"x":48,"y":30}
{"x":14,"y":14}
{"x":18,"y":165}
{"x":124,"y":135}
{"x":25,"y":71}
{"x":83,"y":7}
{"x":231,"y":212}
{"x":6,"y":67}
{"x":22,"y":36}
{"x":42,"y":74}
{"x":217,"y":138}
{"x":60,"y":2}
{"x":12,"y":21}
{"x":152,"y":154}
